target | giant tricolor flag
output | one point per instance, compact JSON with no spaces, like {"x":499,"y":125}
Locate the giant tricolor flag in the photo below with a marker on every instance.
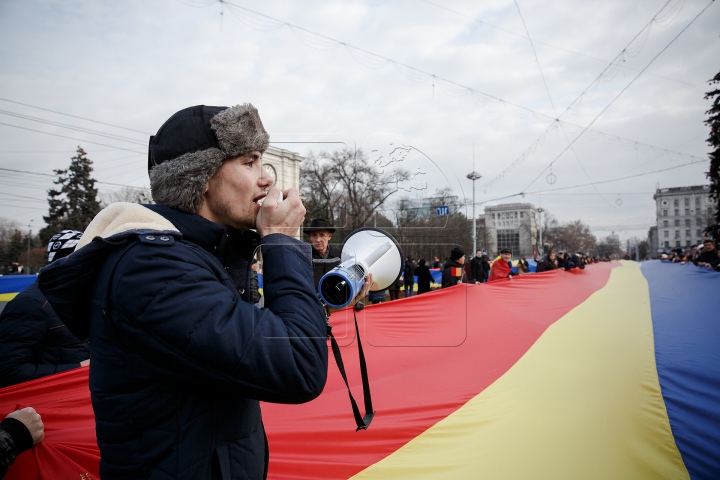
{"x":608,"y":372}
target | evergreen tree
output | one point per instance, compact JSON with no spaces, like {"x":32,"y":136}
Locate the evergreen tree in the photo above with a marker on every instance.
{"x":75,"y":203}
{"x":713,"y":174}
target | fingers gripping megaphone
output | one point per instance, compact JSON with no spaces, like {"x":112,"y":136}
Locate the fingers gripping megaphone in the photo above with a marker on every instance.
{"x":366,"y":250}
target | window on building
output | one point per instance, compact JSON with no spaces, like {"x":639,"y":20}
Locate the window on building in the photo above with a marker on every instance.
{"x":677,"y":233}
{"x":509,"y":239}
{"x":676,"y":203}
{"x":664,"y":213}
{"x":698,"y":232}
{"x":687,"y":233}
{"x":667,"y":244}
{"x":687,"y":211}
{"x":522,"y":214}
{"x":697,"y":201}
{"x":677,"y":222}
{"x":665,"y":223}
{"x":666,"y":234}
{"x":687,"y":202}
{"x":687,"y":244}
{"x":687,"y":222}
{"x":493,"y":216}
{"x":677,"y":212}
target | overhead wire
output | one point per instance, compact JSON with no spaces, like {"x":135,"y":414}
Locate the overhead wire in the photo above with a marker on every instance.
{"x":547,"y":90}
{"x":71,"y":138}
{"x":622,"y":91}
{"x":417,"y":74}
{"x":483,"y":22}
{"x":73,"y":116}
{"x":576,"y":102}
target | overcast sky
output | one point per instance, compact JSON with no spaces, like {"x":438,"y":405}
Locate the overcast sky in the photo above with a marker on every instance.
{"x":448,"y":82}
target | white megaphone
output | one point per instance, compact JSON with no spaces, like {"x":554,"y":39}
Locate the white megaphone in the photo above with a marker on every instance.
{"x":366,"y":250}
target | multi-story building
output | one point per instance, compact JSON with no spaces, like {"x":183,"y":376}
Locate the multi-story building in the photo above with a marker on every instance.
{"x":682,"y":215}
{"x":512,"y":226}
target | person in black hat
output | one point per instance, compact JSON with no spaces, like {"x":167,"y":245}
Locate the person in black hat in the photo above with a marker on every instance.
{"x":34,"y":342}
{"x":325,"y":257}
{"x":181,"y":357}
{"x":453,"y":270}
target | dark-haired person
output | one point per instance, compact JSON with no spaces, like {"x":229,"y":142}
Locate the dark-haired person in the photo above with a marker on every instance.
{"x":453,"y":271}
{"x":709,"y":256}
{"x":180,"y":357}
{"x":325,"y":257}
{"x":34,"y":342}
{"x":501,"y":267}
{"x":423,"y":276}
{"x":548,"y":263}
{"x":409,"y":276}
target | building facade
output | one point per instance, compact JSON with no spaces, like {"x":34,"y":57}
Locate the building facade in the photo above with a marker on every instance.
{"x":284,"y":167}
{"x":513,"y":226}
{"x":682,"y":215}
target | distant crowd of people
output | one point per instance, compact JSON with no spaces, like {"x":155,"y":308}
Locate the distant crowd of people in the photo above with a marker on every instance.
{"x":705,"y":255}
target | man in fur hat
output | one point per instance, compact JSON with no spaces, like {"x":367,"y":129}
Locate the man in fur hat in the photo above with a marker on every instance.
{"x":180,"y":357}
{"x":325,"y":257}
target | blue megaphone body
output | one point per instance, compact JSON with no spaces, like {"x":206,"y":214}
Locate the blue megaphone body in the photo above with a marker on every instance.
{"x":372,"y":251}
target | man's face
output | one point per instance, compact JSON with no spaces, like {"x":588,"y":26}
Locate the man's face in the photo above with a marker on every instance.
{"x":506,"y":256}
{"x":461,"y":260}
{"x":693,"y":249}
{"x":320,"y":240}
{"x":233,"y":192}
{"x":708,"y":246}
{"x":478,"y":254}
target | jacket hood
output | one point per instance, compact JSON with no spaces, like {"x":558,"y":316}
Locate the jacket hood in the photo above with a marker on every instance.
{"x":68,"y":283}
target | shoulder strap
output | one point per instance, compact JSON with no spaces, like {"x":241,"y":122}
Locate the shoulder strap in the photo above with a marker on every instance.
{"x":363,"y":422}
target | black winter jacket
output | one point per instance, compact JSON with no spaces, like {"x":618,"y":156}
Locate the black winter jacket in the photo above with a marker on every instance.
{"x":179,"y":359}
{"x":34,"y":342}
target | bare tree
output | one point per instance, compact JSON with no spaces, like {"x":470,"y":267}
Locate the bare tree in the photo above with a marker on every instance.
{"x":342,"y":187}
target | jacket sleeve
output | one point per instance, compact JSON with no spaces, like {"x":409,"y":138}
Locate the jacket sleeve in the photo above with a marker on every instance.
{"x":15,"y":438}
{"x":191,"y":328}
{"x":23,"y":326}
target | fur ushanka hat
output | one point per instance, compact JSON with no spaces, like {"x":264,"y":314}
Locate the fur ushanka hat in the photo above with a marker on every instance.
{"x":190,"y":147}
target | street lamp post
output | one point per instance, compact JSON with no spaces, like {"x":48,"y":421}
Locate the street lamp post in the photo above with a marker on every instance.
{"x":474,"y":176}
{"x":540,"y":210}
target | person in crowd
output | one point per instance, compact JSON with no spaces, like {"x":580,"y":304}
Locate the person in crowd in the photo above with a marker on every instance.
{"x":564,"y":261}
{"x":423,"y":276}
{"x":477,"y":272}
{"x":452,"y":272}
{"x":436,"y":262}
{"x":485,"y":266}
{"x":709,"y":256}
{"x":19,"y":431}
{"x":501,"y":267}
{"x":325,"y":257}
{"x":578,"y":260}
{"x":548,"y":263}
{"x":523,"y":266}
{"x":34,"y":342}
{"x":394,"y":289}
{"x":376,"y":297}
{"x":693,"y":253}
{"x":180,"y":357}
{"x":409,"y":276}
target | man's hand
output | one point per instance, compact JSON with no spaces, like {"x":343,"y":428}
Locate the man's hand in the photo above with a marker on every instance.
{"x":85,"y":363}
{"x":32,"y":421}
{"x":284,"y":216}
{"x":369,"y":284}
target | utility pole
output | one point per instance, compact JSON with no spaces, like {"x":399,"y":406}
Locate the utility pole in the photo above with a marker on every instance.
{"x":474,"y":176}
{"x":540,"y":210}
{"x":27,"y":260}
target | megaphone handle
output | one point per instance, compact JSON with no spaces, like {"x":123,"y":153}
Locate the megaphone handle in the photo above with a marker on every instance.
{"x":362,"y":422}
